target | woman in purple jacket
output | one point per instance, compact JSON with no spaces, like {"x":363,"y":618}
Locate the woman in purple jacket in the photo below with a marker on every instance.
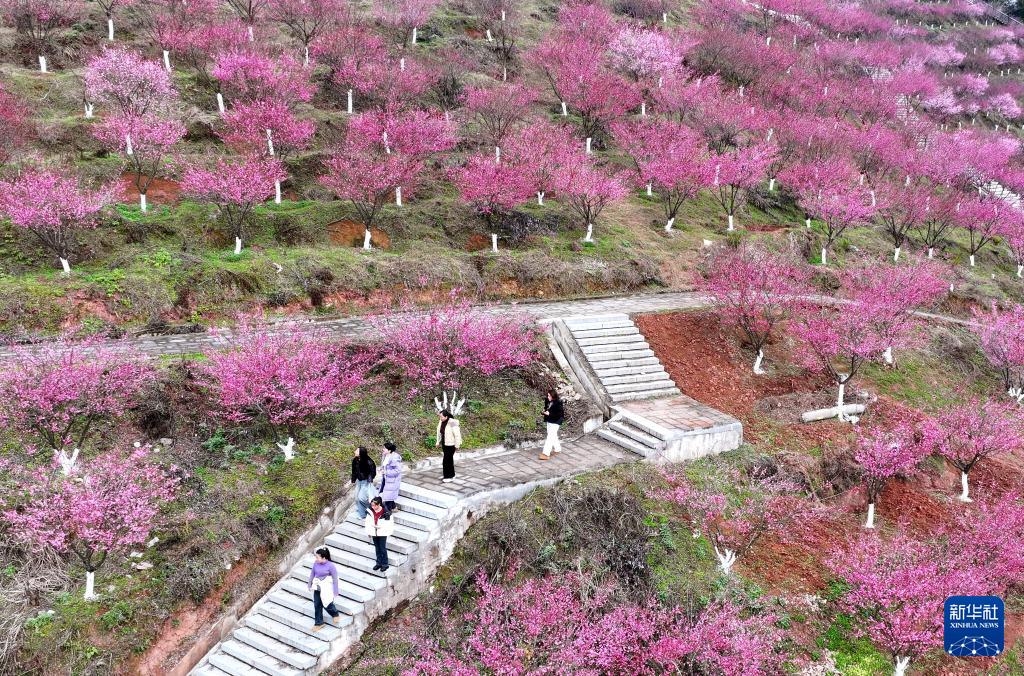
{"x":391,"y":475}
{"x":323,"y":569}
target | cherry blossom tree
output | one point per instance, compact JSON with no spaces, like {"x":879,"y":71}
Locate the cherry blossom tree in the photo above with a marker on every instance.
{"x":266,"y":127}
{"x":502,"y":25}
{"x":306,"y":19}
{"x":198,"y":47}
{"x":899,"y":209}
{"x":1012,"y":232}
{"x":63,"y":392}
{"x":145,"y":141}
{"x":897,"y":592}
{"x":734,"y":511}
{"x":989,"y":538}
{"x":404,"y":17}
{"x":283,"y":379}
{"x":969,"y":433}
{"x":737,"y":171}
{"x":494,"y":189}
{"x":246,"y":75}
{"x":123,"y":80}
{"x":250,"y":12}
{"x":451,"y":345}
{"x":754,"y":289}
{"x":646,"y":55}
{"x":54,"y":207}
{"x":109,"y":7}
{"x":114,"y":503}
{"x":836,"y":210}
{"x":236,"y":187}
{"x":883,"y":455}
{"x":588,"y":190}
{"x":171,"y":24}
{"x":16,"y":123}
{"x":937,"y":220}
{"x":496,"y":111}
{"x":37,"y":22}
{"x":543,"y":150}
{"x":980,"y":218}
{"x":1001,"y":336}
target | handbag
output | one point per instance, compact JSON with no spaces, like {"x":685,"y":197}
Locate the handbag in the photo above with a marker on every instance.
{"x":326,"y":587}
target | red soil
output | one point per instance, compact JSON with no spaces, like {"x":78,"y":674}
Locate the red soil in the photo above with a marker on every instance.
{"x":350,"y":233}
{"x":161,"y":190}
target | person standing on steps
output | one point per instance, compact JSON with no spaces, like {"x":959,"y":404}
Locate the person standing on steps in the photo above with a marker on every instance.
{"x":379,"y":526}
{"x":323,"y":593}
{"x":449,"y":438}
{"x":364,"y":471}
{"x":554,"y":416}
{"x":391,"y":475}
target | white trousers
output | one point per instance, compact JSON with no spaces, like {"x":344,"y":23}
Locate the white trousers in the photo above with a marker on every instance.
{"x":551,"y":443}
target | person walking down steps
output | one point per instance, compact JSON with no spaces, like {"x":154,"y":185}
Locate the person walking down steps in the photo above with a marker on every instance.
{"x":554,"y":416}
{"x":449,"y":438}
{"x":323,"y":580}
{"x":379,"y":526}
{"x":391,"y":475}
{"x":364,"y":471}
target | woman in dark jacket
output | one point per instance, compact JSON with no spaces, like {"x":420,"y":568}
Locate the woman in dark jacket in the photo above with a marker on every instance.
{"x":363,"y":472}
{"x":554,"y":416}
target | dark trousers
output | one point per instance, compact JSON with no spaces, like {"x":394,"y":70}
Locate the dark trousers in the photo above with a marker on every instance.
{"x":318,"y":609}
{"x":448,"y":462}
{"x":380,"y":544}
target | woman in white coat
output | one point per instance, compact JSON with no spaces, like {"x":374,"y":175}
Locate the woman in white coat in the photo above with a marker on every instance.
{"x":379,"y":526}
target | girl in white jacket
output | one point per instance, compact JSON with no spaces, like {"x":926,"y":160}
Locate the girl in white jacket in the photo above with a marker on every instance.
{"x":379,"y":526}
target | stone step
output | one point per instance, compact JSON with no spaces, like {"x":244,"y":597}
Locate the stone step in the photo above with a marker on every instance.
{"x":419,"y":509}
{"x":363,"y":564}
{"x":644,"y":386}
{"x":648,"y":394}
{"x":628,"y":355}
{"x":396,"y":543}
{"x":639,"y":422}
{"x":615,"y":339}
{"x":361,"y":546}
{"x":402,"y":531}
{"x":624,"y":441}
{"x":348,"y":575}
{"x":618,"y":346}
{"x":287,"y":635}
{"x":634,"y":433}
{"x":257,"y":659}
{"x":345,"y":588}
{"x":282,"y":652}
{"x":207,"y":669}
{"x":302,"y":622}
{"x":294,"y":594}
{"x":597,"y":321}
{"x":634,"y":378}
{"x":625,"y":367}
{"x":627,"y":329}
{"x":232,"y":665}
{"x":436,"y":498}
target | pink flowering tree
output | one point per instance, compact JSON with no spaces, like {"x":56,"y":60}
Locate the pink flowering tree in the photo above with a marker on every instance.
{"x":250,"y":12}
{"x":937,"y":221}
{"x":1012,"y":232}
{"x":54,"y":207}
{"x":494,"y":189}
{"x":734,"y":511}
{"x":65,"y":392}
{"x":404,"y":17}
{"x":836,"y":210}
{"x":16,"y":122}
{"x":236,"y":187}
{"x":173,"y":25}
{"x":145,"y":141}
{"x":899,"y":210}
{"x":450,"y":345}
{"x":38,"y":22}
{"x":754,"y":290}
{"x":307,"y":19}
{"x":646,"y":56}
{"x":247,"y":75}
{"x":496,"y":111}
{"x":109,"y":7}
{"x":989,"y":538}
{"x":737,"y":171}
{"x":1001,"y":336}
{"x":670,"y":160}
{"x":969,"y":433}
{"x":588,"y":189}
{"x":896,"y":593}
{"x":980,"y":218}
{"x":544,"y":150}
{"x":123,"y":80}
{"x":384,"y":154}
{"x":198,"y":47}
{"x":883,"y":455}
{"x":283,"y":379}
{"x":114,"y":503}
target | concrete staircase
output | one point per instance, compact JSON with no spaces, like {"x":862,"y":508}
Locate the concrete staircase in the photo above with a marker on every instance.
{"x":635,"y":433}
{"x":624,"y":365}
{"x":276,"y":637}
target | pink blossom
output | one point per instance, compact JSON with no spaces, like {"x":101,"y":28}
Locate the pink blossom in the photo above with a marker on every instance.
{"x":495,"y":111}
{"x":235,"y":186}
{"x":1001,"y":335}
{"x":123,"y":79}
{"x":246,"y":125}
{"x":248,"y":75}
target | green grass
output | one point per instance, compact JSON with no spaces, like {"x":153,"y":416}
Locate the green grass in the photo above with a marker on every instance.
{"x":853,"y":656}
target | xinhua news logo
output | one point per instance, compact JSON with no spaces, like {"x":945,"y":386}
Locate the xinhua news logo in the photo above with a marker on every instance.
{"x":974,"y":626}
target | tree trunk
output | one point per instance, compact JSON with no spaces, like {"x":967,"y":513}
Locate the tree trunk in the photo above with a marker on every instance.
{"x":650,"y":189}
{"x":494,"y":242}
{"x":590,"y":233}
{"x":42,"y":64}
{"x":732,"y":224}
{"x":220,"y":103}
{"x":870,"y":523}
{"x":771,"y":185}
{"x":90,"y":585}
{"x":288,"y":449}
{"x":643,"y":109}
{"x":277,"y":192}
{"x":931,"y":252}
{"x":965,"y":496}
{"x":824,"y":256}
{"x":142,"y":201}
{"x":167,"y":61}
{"x":65,"y":266}
{"x":238,"y":245}
{"x":887,"y":356}
{"x":398,"y":196}
{"x":589,"y":141}
{"x":350,"y":108}
{"x":807,"y":222}
{"x":901,"y":666}
{"x":565,"y":109}
{"x":726,"y":559}
{"x":972,"y":260}
{"x":366,"y":240}
{"x":540,"y":198}
{"x":757,"y":363}
{"x":668,"y":226}
{"x":110,"y":29}
{"x":896,"y":255}
{"x":414,"y":36}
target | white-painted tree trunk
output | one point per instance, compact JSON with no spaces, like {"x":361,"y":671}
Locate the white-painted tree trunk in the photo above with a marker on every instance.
{"x":142,"y":202}
{"x":110,"y":29}
{"x":350,"y":107}
{"x":90,"y":585}
{"x":901,"y":666}
{"x":726,"y":559}
{"x":277,"y":192}
{"x":664,"y":17}
{"x":668,"y":226}
{"x":590,"y":233}
{"x":650,"y":189}
{"x":771,"y":185}
{"x":896,"y":255}
{"x":42,"y":64}
{"x":807,"y":222}
{"x":494,"y":242}
{"x":589,"y":142}
{"x":414,"y":34}
{"x":128,"y":145}
{"x":503,"y":15}
{"x":874,"y":202}
{"x":768,"y":41}
{"x":840,"y":399}
{"x":870,"y":523}
{"x":366,"y":240}
{"x":931,"y":253}
{"x":167,"y":61}
{"x":732,"y":224}
{"x":288,"y":449}
{"x":887,"y":356}
{"x":398,"y":196}
{"x":965,"y":495}
{"x":88,"y":110}
{"x":565,"y":109}
{"x":490,"y":38}
{"x":824,"y":256}
{"x":497,"y":154}
{"x":220,"y":103}
{"x":67,"y":462}
{"x":540,"y":198}
{"x":1020,"y":271}
{"x":757,"y":363}
{"x":65,"y":266}
{"x":972,"y":260}
{"x":643,"y":109}
{"x":238,"y":245}
{"x":252,"y":36}
{"x":270,"y":142}
{"x":305,"y":56}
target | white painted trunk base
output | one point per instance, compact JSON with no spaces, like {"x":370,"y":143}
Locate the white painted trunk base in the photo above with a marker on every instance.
{"x":896,"y":255}
{"x":900,"y":668}
{"x":398,"y":196}
{"x":65,"y":266}
{"x":270,"y":143}
{"x":807,"y":222}
{"x":540,"y":198}
{"x":305,"y":56}
{"x":726,"y":559}
{"x":732,"y":223}
{"x":771,"y":185}
{"x":42,"y":64}
{"x":110,"y":29}
{"x":1020,"y":270}
{"x":67,"y":462}
{"x":589,"y":142}
{"x":757,"y":363}
{"x":965,"y":495}
{"x":88,"y":110}
{"x":366,"y":240}
{"x":414,"y":34}
{"x":668,"y":226}
{"x":350,"y":108}
{"x":643,"y":109}
{"x":288,"y":449}
{"x":220,"y":103}
{"x":90,"y":585}
{"x":277,"y":192}
{"x":824,"y":256}
{"x":252,"y":36}
{"x":972,"y":260}
{"x":565,"y":109}
{"x":494,"y":242}
{"x":870,"y":523}
{"x":650,"y":189}
{"x":931,"y":253}
{"x":887,"y":356}
{"x":142,"y":203}
{"x":128,"y":145}
{"x":167,"y":61}
{"x":590,"y":233}
{"x":490,"y":38}
{"x":497,"y":154}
